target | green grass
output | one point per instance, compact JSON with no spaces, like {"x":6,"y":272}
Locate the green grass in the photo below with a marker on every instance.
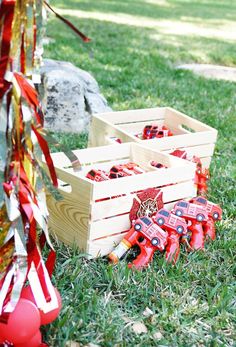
{"x":193,"y":303}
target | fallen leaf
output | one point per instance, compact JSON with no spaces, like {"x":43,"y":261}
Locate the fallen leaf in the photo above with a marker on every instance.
{"x":139,"y":328}
{"x":157,"y":335}
{"x":72,"y":344}
{"x":126,"y":319}
{"x":148,"y":312}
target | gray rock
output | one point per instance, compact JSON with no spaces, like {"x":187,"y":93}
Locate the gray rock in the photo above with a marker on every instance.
{"x":69,"y":97}
{"x":211,"y":71}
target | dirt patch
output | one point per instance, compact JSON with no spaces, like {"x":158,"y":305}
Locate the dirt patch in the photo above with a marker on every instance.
{"x":217,"y":72}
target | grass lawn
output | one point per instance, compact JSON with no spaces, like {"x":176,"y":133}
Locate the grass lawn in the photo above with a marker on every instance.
{"x":135,"y":47}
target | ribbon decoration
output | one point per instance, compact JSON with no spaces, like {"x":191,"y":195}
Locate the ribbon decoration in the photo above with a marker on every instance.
{"x":67,"y":22}
{"x":23,"y":210}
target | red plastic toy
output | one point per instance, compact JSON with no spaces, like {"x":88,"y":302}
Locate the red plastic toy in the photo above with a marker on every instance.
{"x":116,"y":139}
{"x":118,"y":171}
{"x":202,"y":176}
{"x":97,"y":175}
{"x":134,"y":167}
{"x":123,"y":170}
{"x":155,"y":131}
{"x":148,"y":236}
{"x":157,"y":165}
{"x":179,"y":153}
{"x":176,"y":228}
{"x":146,"y":203}
{"x":214,"y":213}
{"x":195,"y":215}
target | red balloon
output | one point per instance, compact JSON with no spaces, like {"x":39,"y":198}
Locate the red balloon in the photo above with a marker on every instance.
{"x":48,"y":317}
{"x":27,"y":294}
{"x":22,"y":324}
{"x":34,"y":342}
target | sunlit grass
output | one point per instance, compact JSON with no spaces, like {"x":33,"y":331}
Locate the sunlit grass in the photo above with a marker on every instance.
{"x":193,"y":303}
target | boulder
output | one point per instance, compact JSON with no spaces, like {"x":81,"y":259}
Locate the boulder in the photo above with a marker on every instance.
{"x":69,"y":97}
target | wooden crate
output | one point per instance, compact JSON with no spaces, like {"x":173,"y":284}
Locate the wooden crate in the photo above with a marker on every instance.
{"x":96,"y":226}
{"x":195,"y":137}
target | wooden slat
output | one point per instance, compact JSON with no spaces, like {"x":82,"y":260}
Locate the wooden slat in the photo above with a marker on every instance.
{"x":69,"y":218}
{"x":120,"y":223}
{"x":103,"y":153}
{"x":179,"y":141}
{"x":173,"y":116}
{"x":122,"y":204}
{"x":143,"y":155}
{"x":100,"y":131}
{"x":200,"y":151}
{"x":152,"y":179}
{"x":133,"y":115}
{"x":109,"y":226}
{"x":137,"y":127}
{"x":104,"y":246}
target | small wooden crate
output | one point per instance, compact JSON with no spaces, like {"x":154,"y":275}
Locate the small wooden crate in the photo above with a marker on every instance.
{"x":195,"y":137}
{"x":94,"y":224}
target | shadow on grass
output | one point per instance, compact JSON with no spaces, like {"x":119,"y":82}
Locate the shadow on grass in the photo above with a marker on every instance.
{"x":201,"y":9}
{"x":135,"y":68}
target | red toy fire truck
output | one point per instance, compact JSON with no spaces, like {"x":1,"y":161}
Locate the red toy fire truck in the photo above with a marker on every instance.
{"x":214,"y":211}
{"x":157,"y":165}
{"x":151,"y":231}
{"x":123,"y":170}
{"x":171,"y":221}
{"x":202,"y":176}
{"x":190,"y":211}
{"x":147,"y":235}
{"x":134,"y":167}
{"x":155,"y":131}
{"x":97,"y":175}
{"x":195,"y":215}
{"x":176,"y":228}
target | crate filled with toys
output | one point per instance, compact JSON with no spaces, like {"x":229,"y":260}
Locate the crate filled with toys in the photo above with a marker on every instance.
{"x":97,"y":198}
{"x":161,"y":128}
{"x":150,"y":192}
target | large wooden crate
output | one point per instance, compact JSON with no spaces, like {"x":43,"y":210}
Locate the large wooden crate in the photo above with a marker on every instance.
{"x":94,"y":225}
{"x":195,"y":137}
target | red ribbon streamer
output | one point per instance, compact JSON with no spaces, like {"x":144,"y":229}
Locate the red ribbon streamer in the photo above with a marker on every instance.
{"x":44,"y":147}
{"x":63,"y":19}
{"x":6,"y":15}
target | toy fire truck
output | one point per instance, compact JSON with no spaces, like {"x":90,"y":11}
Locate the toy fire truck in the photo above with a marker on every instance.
{"x":155,"y":131}
{"x":190,"y":211}
{"x":196,"y":216}
{"x":123,"y":170}
{"x":157,"y":165}
{"x":176,"y":228}
{"x":214,"y":211}
{"x":170,"y":221}
{"x":147,"y":235}
{"x":214,"y":214}
{"x":97,"y":175}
